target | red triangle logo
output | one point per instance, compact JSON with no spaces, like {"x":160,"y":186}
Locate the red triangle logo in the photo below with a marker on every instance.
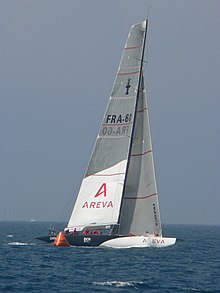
{"x":102,"y":190}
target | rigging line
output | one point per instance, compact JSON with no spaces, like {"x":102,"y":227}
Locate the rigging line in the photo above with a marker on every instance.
{"x":73,"y":195}
{"x":148,"y":12}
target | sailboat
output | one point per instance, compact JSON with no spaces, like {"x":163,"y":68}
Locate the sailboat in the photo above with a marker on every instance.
{"x":117,"y":203}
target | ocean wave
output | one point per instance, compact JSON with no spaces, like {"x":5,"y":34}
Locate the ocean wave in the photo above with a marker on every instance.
{"x":10,"y":236}
{"x":118,"y":284}
{"x":20,"y":243}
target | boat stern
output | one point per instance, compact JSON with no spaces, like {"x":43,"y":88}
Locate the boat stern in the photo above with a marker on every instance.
{"x":139,"y":241}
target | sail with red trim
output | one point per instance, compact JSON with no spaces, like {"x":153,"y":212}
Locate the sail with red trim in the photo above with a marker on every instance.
{"x":140,"y":208}
{"x":119,"y":188}
{"x":101,"y":193}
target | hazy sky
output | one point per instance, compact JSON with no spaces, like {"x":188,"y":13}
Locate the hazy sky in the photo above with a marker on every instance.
{"x":58,"y":60}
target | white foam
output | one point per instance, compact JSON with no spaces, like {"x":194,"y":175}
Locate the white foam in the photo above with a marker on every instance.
{"x":20,"y":243}
{"x":10,"y":236}
{"x":118,"y":284}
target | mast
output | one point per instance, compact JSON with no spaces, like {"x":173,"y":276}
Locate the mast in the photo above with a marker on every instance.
{"x":135,"y":113}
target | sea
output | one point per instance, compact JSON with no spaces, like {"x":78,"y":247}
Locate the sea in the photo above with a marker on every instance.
{"x":30,"y":265}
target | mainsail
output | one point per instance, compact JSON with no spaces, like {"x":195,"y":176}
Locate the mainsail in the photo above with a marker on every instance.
{"x":119,"y":185}
{"x":140,"y":209}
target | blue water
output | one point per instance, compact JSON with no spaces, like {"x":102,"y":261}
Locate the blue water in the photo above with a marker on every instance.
{"x":29,"y":265}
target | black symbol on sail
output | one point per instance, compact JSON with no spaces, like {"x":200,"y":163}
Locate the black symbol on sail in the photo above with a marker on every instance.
{"x":128,"y":86}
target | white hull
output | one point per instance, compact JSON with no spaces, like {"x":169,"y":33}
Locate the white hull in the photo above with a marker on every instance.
{"x":139,"y":241}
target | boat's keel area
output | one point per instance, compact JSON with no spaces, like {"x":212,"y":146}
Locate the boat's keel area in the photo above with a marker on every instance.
{"x":113,"y":241}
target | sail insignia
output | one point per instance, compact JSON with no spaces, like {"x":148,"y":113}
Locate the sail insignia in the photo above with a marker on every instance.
{"x":128,"y":86}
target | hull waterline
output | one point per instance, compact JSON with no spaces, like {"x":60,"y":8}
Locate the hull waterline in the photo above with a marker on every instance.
{"x":48,"y":239}
{"x":114,"y":241}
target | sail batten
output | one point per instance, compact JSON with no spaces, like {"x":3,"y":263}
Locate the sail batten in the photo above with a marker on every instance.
{"x":128,"y":73}
{"x":141,"y":197}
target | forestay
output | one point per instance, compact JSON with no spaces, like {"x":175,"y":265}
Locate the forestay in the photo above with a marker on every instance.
{"x":100,"y":195}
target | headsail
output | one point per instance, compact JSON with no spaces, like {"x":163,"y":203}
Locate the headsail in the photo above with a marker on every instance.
{"x":100,"y":195}
{"x":140,"y":209}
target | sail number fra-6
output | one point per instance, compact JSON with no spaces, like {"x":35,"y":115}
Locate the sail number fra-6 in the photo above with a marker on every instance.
{"x":116,"y":125}
{"x":115,"y":119}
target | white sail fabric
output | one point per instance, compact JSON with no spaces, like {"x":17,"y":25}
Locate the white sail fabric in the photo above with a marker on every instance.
{"x":140,"y":210}
{"x":99,"y":199}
